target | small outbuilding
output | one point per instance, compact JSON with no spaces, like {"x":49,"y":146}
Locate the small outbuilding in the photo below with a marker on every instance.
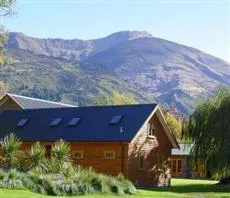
{"x":183,"y":164}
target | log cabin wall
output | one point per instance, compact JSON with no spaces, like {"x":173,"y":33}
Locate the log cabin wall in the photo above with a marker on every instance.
{"x":93,"y":154}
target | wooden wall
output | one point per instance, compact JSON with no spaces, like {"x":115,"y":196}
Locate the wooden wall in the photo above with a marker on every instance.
{"x":93,"y":155}
{"x":156,"y":151}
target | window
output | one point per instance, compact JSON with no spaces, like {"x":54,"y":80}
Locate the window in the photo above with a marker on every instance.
{"x":151,"y":129}
{"x":141,"y":162}
{"x":22,"y":122}
{"x":56,"y":122}
{"x":74,"y":121}
{"x":48,"y":149}
{"x":78,"y":154}
{"x":109,"y":155}
{"x":116,"y":120}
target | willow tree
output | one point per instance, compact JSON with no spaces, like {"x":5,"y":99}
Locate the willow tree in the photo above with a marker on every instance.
{"x":209,"y":128}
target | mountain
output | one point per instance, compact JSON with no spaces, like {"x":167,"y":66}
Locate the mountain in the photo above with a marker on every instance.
{"x":150,"y":68}
{"x":61,"y":80}
{"x":71,"y":49}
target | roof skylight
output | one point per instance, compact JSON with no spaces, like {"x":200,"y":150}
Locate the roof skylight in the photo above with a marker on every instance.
{"x":56,"y":122}
{"x":116,"y":120}
{"x":22,"y":122}
{"x":74,"y":121}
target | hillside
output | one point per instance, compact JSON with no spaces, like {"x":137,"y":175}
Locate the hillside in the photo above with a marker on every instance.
{"x":76,"y":71}
{"x":61,"y":80}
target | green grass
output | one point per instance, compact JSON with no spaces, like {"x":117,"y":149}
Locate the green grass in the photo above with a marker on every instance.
{"x":179,"y":188}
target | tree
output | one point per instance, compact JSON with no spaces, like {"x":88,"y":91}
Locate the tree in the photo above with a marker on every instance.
{"x":208,"y":127}
{"x":116,"y":98}
{"x":10,"y":146}
{"x":175,"y":124}
{"x":6,"y":9}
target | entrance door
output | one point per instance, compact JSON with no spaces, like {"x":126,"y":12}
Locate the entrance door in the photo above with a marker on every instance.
{"x":176,"y":167}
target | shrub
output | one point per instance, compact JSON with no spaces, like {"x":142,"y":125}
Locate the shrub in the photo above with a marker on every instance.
{"x":13,"y":174}
{"x":61,"y":154}
{"x":10,"y":145}
{"x":50,"y":186}
{"x":127,"y":185}
{"x":2,"y":174}
{"x":33,"y":181}
{"x":11,"y":180}
{"x":97,"y":184}
{"x":35,"y":157}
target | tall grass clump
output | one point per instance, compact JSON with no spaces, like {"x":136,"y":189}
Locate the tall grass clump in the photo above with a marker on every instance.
{"x":10,"y":146}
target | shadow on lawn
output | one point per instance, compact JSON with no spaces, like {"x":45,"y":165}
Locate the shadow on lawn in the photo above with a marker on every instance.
{"x":194,"y":188}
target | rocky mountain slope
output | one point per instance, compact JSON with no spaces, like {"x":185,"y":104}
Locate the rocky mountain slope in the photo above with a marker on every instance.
{"x":134,"y":62}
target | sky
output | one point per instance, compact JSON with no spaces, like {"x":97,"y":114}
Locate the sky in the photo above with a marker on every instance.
{"x":202,"y":24}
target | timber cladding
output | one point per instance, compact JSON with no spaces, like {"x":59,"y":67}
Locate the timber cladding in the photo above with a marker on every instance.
{"x":156,"y":151}
{"x":93,"y":155}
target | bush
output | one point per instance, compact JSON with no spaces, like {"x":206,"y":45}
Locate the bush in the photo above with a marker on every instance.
{"x":2,"y":174}
{"x":75,"y":181}
{"x":13,"y":174}
{"x":33,"y":182}
{"x":11,"y":180}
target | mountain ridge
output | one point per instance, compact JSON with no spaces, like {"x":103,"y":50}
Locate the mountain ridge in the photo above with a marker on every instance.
{"x":162,"y":70}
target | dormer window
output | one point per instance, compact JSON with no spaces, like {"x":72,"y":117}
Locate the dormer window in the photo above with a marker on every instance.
{"x":151,"y":129}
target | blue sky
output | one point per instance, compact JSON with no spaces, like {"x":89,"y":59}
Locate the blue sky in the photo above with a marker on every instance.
{"x":201,"y":24}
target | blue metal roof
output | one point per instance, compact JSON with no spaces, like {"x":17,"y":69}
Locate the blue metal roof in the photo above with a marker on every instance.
{"x":185,"y":149}
{"x":94,"y":124}
{"x":34,"y":103}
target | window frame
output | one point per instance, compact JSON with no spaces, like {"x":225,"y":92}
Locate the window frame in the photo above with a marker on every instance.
{"x":78,"y":151}
{"x":177,"y":166}
{"x":139,"y":162}
{"x":106,"y":152}
{"x":151,"y":126}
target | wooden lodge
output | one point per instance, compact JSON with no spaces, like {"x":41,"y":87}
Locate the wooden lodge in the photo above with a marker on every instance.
{"x":129,"y":139}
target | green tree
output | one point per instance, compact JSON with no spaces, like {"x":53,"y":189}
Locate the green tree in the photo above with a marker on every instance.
{"x":116,"y":98}
{"x":6,"y":9}
{"x":175,"y":124}
{"x":10,"y":146}
{"x":208,"y":127}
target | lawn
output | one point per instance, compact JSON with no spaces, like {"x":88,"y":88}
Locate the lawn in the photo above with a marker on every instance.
{"x":179,"y":188}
